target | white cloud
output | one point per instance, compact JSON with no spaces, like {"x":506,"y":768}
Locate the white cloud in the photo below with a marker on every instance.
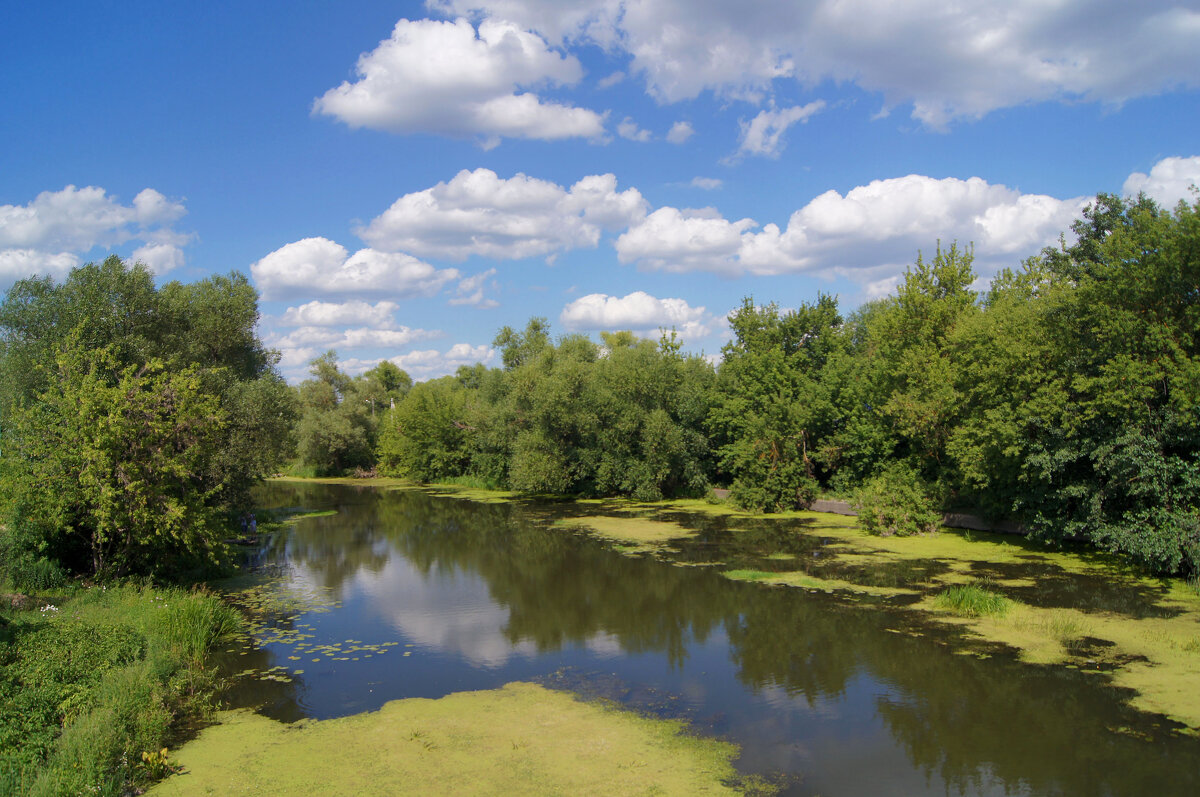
{"x":1171,"y":180}
{"x":470,"y":291}
{"x":444,"y":78}
{"x":670,"y":239}
{"x":321,"y":266}
{"x":706,"y":183}
{"x":478,"y":213}
{"x":680,"y":132}
{"x":429,"y":364}
{"x":637,"y":311}
{"x":763,"y":135}
{"x":610,"y":81}
{"x":299,"y":346}
{"x":17,"y":264}
{"x":159,"y":257}
{"x":51,"y":234}
{"x":332,"y":314}
{"x":872,"y":229}
{"x":949,"y":60}
{"x":324,"y":338}
{"x":629,"y":129}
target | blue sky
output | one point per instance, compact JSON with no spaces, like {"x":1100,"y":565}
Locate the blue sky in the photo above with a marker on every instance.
{"x":400,"y":180}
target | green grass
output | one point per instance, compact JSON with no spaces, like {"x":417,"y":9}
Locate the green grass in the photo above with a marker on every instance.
{"x":749,"y":575}
{"x":93,"y":678}
{"x":473,"y":482}
{"x":972,"y":600}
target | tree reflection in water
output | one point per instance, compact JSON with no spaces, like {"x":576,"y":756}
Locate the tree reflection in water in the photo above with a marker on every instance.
{"x":855,"y":697}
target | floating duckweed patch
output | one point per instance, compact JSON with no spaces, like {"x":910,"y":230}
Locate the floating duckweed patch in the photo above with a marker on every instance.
{"x":520,"y":739}
{"x":1066,"y":602}
{"x":636,"y":534}
{"x":796,"y":578}
{"x":307,"y":515}
{"x":748,"y":575}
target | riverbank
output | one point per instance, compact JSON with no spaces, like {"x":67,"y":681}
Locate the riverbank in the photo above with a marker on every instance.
{"x":96,"y":681}
{"x":1071,"y":607}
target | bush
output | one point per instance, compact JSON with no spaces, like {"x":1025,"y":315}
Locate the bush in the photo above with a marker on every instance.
{"x":28,"y":574}
{"x":896,"y":503}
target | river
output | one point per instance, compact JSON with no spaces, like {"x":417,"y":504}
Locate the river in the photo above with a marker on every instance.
{"x":412,"y":595}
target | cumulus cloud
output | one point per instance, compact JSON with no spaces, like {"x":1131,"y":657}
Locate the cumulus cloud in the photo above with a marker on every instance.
{"x":50,"y":235}
{"x":629,"y":129}
{"x":871,"y":229}
{"x":430,"y":363}
{"x":479,"y":213}
{"x":946,"y":60}
{"x":637,"y":311}
{"x":325,"y":338}
{"x":332,"y":314}
{"x":298,"y":347}
{"x":680,"y":132}
{"x":670,"y":239}
{"x":763,"y":135}
{"x":470,"y":291}
{"x":1171,"y":180}
{"x":446,"y":78}
{"x":319,"y":265}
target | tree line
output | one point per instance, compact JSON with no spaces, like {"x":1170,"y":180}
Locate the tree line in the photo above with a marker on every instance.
{"x":134,"y":419}
{"x":1065,"y":397}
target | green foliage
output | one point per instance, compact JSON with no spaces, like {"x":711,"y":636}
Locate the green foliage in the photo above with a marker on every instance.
{"x":340,"y":416}
{"x":773,"y":405}
{"x":565,"y":417}
{"x":129,"y":450}
{"x":191,"y":624}
{"x":425,"y":437}
{"x":896,"y":502}
{"x":88,"y":685}
{"x":132,"y":417}
{"x":972,"y":600}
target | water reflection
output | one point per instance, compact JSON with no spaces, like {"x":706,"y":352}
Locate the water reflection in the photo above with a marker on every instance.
{"x":850,"y":699}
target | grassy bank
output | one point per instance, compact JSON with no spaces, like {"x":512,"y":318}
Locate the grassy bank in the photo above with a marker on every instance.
{"x":520,"y":739}
{"x":96,"y":682}
{"x":1070,"y":607}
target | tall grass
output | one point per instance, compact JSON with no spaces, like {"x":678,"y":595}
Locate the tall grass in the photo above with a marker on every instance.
{"x":192,"y":623}
{"x":90,"y":684}
{"x":972,"y":600}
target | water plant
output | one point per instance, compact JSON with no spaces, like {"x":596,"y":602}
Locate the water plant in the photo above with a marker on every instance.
{"x":972,"y":600}
{"x":748,"y":575}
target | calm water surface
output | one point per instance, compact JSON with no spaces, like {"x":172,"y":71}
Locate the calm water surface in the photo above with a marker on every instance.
{"x":426,"y":596}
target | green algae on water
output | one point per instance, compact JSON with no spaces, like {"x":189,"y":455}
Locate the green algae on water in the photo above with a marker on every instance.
{"x":520,"y":739}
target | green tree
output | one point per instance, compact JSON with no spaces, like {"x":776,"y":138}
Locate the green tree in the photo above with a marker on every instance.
{"x":336,"y":431}
{"x":128,"y":456}
{"x":426,"y":437}
{"x":203,"y":334}
{"x":773,"y":410}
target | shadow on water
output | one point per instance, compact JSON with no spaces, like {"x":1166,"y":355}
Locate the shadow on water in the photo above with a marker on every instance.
{"x":1054,"y":587}
{"x":835,"y":697}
